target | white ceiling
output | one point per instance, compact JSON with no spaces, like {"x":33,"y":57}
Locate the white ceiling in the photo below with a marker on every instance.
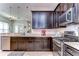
{"x":22,"y":10}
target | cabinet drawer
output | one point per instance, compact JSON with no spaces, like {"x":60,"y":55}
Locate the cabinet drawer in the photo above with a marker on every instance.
{"x":5,"y":37}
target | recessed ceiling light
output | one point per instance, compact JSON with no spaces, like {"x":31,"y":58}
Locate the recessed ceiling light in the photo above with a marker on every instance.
{"x":10,"y":7}
{"x":18,"y":6}
{"x":26,"y":6}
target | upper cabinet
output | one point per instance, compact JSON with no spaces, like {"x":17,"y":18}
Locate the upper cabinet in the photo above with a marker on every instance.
{"x":64,"y":14}
{"x":76,"y":13}
{"x":41,"y":20}
{"x":61,"y":14}
{"x":69,"y":5}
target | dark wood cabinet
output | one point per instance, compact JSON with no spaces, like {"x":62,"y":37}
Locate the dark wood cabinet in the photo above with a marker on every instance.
{"x":31,"y":43}
{"x":56,"y":20}
{"x":69,"y":5}
{"x":50,"y":19}
{"x":76,"y":13}
{"x":58,"y":12}
{"x":61,"y":8}
{"x":41,"y":20}
{"x":54,"y":17}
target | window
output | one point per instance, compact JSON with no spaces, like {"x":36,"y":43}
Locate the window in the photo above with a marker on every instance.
{"x":19,"y":28}
{"x":4,"y":27}
{"x":16,"y":28}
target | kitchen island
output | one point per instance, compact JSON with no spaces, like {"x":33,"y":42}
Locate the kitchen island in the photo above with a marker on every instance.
{"x":26,"y":43}
{"x":71,"y":49}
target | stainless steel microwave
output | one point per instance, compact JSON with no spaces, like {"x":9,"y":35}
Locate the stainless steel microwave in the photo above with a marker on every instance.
{"x":66,"y":17}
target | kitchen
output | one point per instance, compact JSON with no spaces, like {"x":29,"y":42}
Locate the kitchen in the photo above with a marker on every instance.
{"x":48,"y":27}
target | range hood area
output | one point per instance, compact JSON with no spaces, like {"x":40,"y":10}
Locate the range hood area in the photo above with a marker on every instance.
{"x":48,"y":27}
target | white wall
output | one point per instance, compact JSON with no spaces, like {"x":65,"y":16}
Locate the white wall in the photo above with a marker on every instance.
{"x":5,"y":43}
{"x":3,"y":19}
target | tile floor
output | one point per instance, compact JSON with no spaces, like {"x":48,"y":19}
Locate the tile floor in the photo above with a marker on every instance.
{"x":31,"y":53}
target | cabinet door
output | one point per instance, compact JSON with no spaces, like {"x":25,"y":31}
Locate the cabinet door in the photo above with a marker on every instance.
{"x":17,"y":43}
{"x":76,"y":11}
{"x":41,"y":20}
{"x":13,"y":44}
{"x":59,"y":11}
{"x":21,"y":44}
{"x":65,"y":7}
{"x":54,"y":20}
{"x":69,"y":5}
{"x":57,"y":19}
{"x":41,"y":44}
{"x":38,"y":44}
{"x":30,"y":44}
{"x":5,"y":42}
{"x":62,"y":7}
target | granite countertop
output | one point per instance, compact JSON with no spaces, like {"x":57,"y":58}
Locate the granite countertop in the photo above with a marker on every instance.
{"x":29,"y":35}
{"x":73,"y":44}
{"x":57,"y":41}
{"x":25,"y":36}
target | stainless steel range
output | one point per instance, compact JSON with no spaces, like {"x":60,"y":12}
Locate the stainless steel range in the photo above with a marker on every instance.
{"x":70,"y":36}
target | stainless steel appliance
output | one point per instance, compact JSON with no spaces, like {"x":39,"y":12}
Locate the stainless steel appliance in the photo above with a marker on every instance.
{"x":66,"y":17}
{"x":70,"y":36}
{"x":69,"y":15}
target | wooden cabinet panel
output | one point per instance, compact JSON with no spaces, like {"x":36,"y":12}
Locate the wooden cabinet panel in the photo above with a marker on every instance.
{"x":14,"y":45}
{"x":41,"y":20}
{"x":30,"y":43}
{"x":54,"y":20}
{"x":62,"y":7}
{"x":5,"y":43}
{"x":69,"y":5}
{"x":76,"y":13}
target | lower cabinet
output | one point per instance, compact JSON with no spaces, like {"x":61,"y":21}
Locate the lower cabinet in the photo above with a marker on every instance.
{"x":5,"y":43}
{"x":30,"y":44}
{"x":57,"y":47}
